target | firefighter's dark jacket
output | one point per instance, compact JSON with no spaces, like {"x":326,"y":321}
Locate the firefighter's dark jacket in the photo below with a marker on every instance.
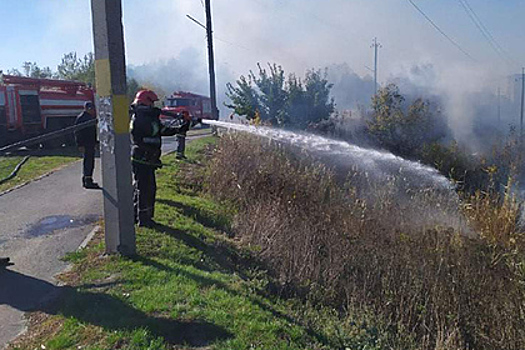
{"x":86,"y":137}
{"x":146,"y":133}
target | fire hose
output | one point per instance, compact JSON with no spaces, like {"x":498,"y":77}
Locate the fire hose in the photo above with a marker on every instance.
{"x":15,"y":170}
{"x":47,"y":137}
{"x":37,"y":140}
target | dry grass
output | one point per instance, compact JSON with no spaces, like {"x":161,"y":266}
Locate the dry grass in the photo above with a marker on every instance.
{"x":432,"y":286}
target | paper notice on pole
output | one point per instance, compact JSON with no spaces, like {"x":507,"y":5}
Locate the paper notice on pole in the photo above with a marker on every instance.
{"x":105,"y":124}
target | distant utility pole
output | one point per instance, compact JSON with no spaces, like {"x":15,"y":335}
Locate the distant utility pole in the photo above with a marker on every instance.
{"x":499,"y":106}
{"x":113,"y":120}
{"x":375,"y":45}
{"x":211,"y":60}
{"x":522,"y":101}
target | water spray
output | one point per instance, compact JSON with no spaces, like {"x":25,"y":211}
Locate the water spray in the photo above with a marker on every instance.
{"x":422,"y":195}
{"x":380,"y":165}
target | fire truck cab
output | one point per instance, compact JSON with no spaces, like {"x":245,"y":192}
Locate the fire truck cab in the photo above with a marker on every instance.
{"x":198,"y":106}
{"x":29,"y":106}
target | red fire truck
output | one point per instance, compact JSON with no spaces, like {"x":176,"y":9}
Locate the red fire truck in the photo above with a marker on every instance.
{"x":198,"y":106}
{"x":29,"y":107}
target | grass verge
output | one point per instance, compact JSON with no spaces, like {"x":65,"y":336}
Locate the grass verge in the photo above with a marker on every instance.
{"x":199,"y":131}
{"x":189,"y":287}
{"x":35,"y":167}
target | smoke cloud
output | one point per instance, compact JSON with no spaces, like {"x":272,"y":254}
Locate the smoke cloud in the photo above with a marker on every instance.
{"x":186,"y":72}
{"x":301,"y":34}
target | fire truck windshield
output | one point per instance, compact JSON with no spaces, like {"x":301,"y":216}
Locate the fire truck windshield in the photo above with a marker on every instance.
{"x":179,"y":102}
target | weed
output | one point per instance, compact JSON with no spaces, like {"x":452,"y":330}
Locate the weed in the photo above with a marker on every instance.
{"x":430,"y":285}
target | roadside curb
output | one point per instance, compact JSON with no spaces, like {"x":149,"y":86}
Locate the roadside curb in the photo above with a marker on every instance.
{"x":89,"y":237}
{"x":82,"y":245}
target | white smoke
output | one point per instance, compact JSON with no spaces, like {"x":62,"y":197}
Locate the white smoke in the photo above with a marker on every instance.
{"x":305,"y":34}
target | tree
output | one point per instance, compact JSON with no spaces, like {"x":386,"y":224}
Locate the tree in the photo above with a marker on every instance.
{"x":280,"y":101}
{"x":264,"y":95}
{"x":245,"y":100}
{"x":404,"y":130}
{"x":312,"y":103}
{"x":273,"y":96}
{"x":297,"y":103}
{"x":132,"y":88}
{"x":32,"y":70}
{"x":14,"y":71}
{"x":75,"y":68}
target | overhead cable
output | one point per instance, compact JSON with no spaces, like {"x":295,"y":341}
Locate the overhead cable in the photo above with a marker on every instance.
{"x":441,"y":31}
{"x":485,"y":32}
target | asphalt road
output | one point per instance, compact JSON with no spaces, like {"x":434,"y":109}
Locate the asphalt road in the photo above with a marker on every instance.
{"x":39,"y":224}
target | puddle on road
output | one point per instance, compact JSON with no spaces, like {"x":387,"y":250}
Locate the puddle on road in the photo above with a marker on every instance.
{"x":58,"y":222}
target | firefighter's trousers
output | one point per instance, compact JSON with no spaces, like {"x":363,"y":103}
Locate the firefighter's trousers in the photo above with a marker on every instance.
{"x":88,"y":162}
{"x":145,"y":191}
{"x":181,"y":144}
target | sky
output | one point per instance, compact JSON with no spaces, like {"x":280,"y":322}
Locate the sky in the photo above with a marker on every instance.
{"x":299,"y":34}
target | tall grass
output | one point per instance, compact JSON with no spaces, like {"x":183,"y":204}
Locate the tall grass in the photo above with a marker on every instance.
{"x":431,"y":285}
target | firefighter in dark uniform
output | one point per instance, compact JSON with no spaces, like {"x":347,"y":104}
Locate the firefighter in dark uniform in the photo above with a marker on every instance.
{"x":181,"y":134}
{"x":146,"y":132}
{"x":86,"y":140}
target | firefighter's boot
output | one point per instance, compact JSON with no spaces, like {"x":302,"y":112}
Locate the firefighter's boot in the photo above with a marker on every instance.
{"x":4,"y":262}
{"x":88,"y":183}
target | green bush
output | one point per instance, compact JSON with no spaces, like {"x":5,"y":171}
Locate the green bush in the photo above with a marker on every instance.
{"x":403,"y":129}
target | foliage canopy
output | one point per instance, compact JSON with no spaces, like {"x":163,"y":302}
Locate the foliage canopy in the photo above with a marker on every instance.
{"x":404,"y":129}
{"x":278,"y":100}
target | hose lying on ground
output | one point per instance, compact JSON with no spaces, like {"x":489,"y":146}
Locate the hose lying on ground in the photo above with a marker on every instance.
{"x":46,"y":137}
{"x":15,"y":171}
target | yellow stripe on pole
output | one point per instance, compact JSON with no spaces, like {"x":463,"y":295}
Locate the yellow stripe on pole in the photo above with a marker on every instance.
{"x":103,"y":77}
{"x":121,"y":114}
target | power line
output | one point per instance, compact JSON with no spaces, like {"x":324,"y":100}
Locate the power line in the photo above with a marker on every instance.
{"x":473,"y":17}
{"x":486,"y":33}
{"x":251,"y":48}
{"x":196,"y":21}
{"x":215,"y":36}
{"x":441,"y":31}
{"x":484,"y":27}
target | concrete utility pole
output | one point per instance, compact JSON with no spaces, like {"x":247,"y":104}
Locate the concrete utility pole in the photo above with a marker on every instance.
{"x":375,"y":45}
{"x":211,"y":60}
{"x":113,"y":120}
{"x":522,"y":101}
